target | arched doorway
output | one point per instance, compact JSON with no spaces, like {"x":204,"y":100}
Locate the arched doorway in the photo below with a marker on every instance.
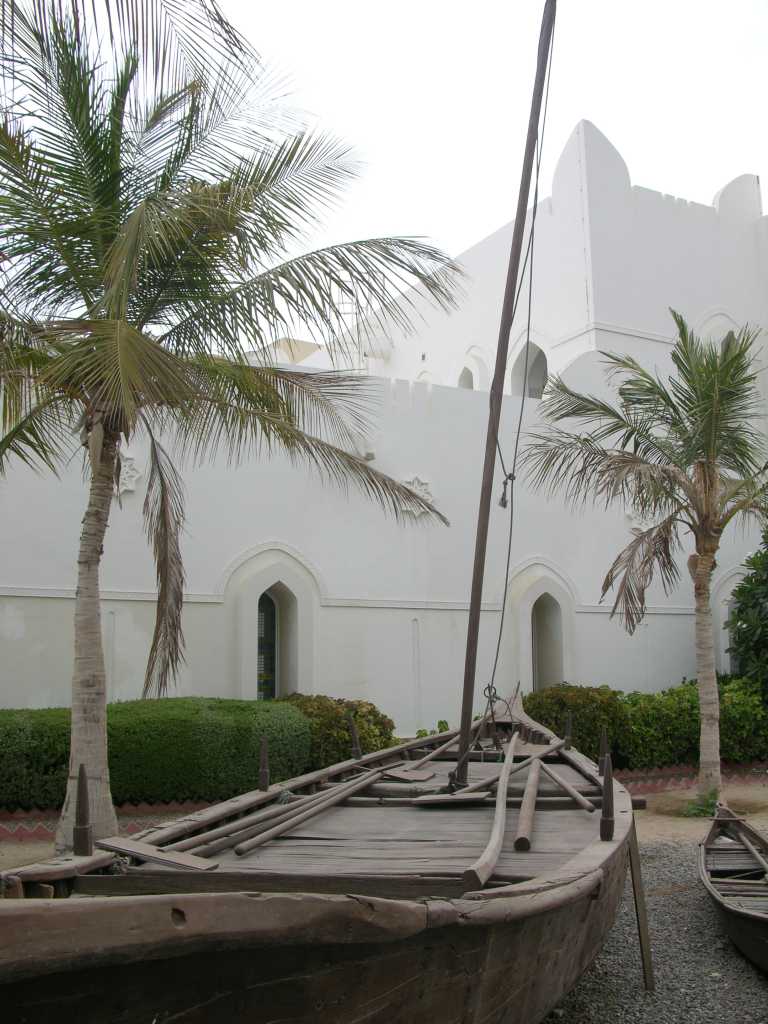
{"x":267,"y":649}
{"x":546,"y":642}
{"x":466,"y":379}
{"x":529,"y":381}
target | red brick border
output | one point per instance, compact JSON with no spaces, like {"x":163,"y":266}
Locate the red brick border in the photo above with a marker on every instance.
{"x":40,"y":825}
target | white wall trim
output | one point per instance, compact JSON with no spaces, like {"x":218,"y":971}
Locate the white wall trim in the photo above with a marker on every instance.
{"x":345,"y":602}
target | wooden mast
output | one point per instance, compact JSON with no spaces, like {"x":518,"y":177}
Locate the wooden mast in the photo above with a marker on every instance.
{"x":497,"y":387}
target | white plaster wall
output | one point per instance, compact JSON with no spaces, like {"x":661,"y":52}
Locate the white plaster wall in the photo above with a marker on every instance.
{"x":380,"y":608}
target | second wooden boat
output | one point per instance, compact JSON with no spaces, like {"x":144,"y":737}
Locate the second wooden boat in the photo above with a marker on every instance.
{"x":733,"y":865}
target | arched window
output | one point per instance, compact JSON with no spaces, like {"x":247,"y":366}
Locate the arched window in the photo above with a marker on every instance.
{"x":530,"y":383}
{"x":546,"y":642}
{"x":267,"y":656}
{"x":466,"y":379}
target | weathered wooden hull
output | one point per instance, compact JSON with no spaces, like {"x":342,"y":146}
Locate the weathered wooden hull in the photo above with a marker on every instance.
{"x":748,"y":933}
{"x":744,"y":918}
{"x":499,"y":961}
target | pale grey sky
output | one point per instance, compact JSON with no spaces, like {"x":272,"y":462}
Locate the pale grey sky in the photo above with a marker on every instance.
{"x":434,"y":95}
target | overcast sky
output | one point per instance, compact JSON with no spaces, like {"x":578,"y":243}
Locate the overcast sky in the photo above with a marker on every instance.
{"x":434,"y":97}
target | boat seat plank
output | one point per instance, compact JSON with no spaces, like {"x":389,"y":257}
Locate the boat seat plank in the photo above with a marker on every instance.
{"x":146,"y":851}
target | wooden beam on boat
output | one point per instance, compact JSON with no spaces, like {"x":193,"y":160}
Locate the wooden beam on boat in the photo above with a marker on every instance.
{"x":64,"y":866}
{"x":477,"y":874}
{"x":573,"y":793}
{"x":607,"y":821}
{"x":148,"y":883}
{"x":753,"y":850}
{"x":146,"y":851}
{"x":304,"y":815}
{"x":237,"y":831}
{"x":487,"y":783}
{"x":275,"y":810}
{"x":528,"y":808}
{"x":199,"y":820}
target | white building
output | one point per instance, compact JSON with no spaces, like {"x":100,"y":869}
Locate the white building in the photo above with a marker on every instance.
{"x":363,"y":607}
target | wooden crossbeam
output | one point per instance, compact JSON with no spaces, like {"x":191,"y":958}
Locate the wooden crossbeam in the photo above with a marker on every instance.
{"x":146,"y":851}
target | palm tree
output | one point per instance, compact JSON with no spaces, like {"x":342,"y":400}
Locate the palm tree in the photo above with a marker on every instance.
{"x":143,"y":239}
{"x":687,"y":455}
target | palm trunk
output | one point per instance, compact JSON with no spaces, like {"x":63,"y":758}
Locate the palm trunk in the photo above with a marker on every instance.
{"x":709,"y":699}
{"x":89,"y":690}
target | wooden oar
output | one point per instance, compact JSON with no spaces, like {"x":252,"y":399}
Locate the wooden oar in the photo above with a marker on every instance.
{"x":528,"y":808}
{"x":478,"y":873}
{"x":573,"y":793}
{"x":302,"y":816}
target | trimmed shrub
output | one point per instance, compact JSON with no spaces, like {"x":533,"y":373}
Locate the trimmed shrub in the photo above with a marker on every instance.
{"x":653,"y":730}
{"x":663,"y":728}
{"x":177,"y":748}
{"x":331,"y":741}
{"x":592,"y":708}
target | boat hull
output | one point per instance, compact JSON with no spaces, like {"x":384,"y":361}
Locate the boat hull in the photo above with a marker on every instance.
{"x":748,"y":933}
{"x":499,"y":961}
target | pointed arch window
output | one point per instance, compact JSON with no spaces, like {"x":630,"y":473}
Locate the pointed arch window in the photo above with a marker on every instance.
{"x":546,"y":642}
{"x":532,"y":382}
{"x":467,"y":379}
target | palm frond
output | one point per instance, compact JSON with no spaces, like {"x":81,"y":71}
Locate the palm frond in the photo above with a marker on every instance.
{"x":163,"y":522}
{"x":322,"y":294}
{"x":111,"y":367}
{"x":649,"y":550}
{"x":580,"y":467}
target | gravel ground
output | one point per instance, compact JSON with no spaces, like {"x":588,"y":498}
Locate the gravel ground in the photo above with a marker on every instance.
{"x":700,"y":976}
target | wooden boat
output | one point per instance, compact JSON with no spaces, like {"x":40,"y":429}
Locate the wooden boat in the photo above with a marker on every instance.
{"x":733,"y":865}
{"x":396,"y":900}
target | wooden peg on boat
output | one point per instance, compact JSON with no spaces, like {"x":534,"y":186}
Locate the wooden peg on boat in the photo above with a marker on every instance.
{"x":357,"y":751}
{"x":264,"y":765}
{"x":528,"y":808}
{"x":568,"y":732}
{"x":603,"y":750}
{"x":82,"y":833}
{"x":606,"y":818}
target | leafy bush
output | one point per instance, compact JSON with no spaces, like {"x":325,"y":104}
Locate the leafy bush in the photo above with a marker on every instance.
{"x":653,"y":730}
{"x":178,"y":748}
{"x":592,"y":707}
{"x":328,"y":717}
{"x":663,"y":728}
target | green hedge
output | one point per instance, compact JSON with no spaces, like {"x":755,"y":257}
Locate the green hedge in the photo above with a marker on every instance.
{"x":328,"y":716}
{"x":592,"y":707}
{"x":178,"y":748}
{"x":652,"y":730}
